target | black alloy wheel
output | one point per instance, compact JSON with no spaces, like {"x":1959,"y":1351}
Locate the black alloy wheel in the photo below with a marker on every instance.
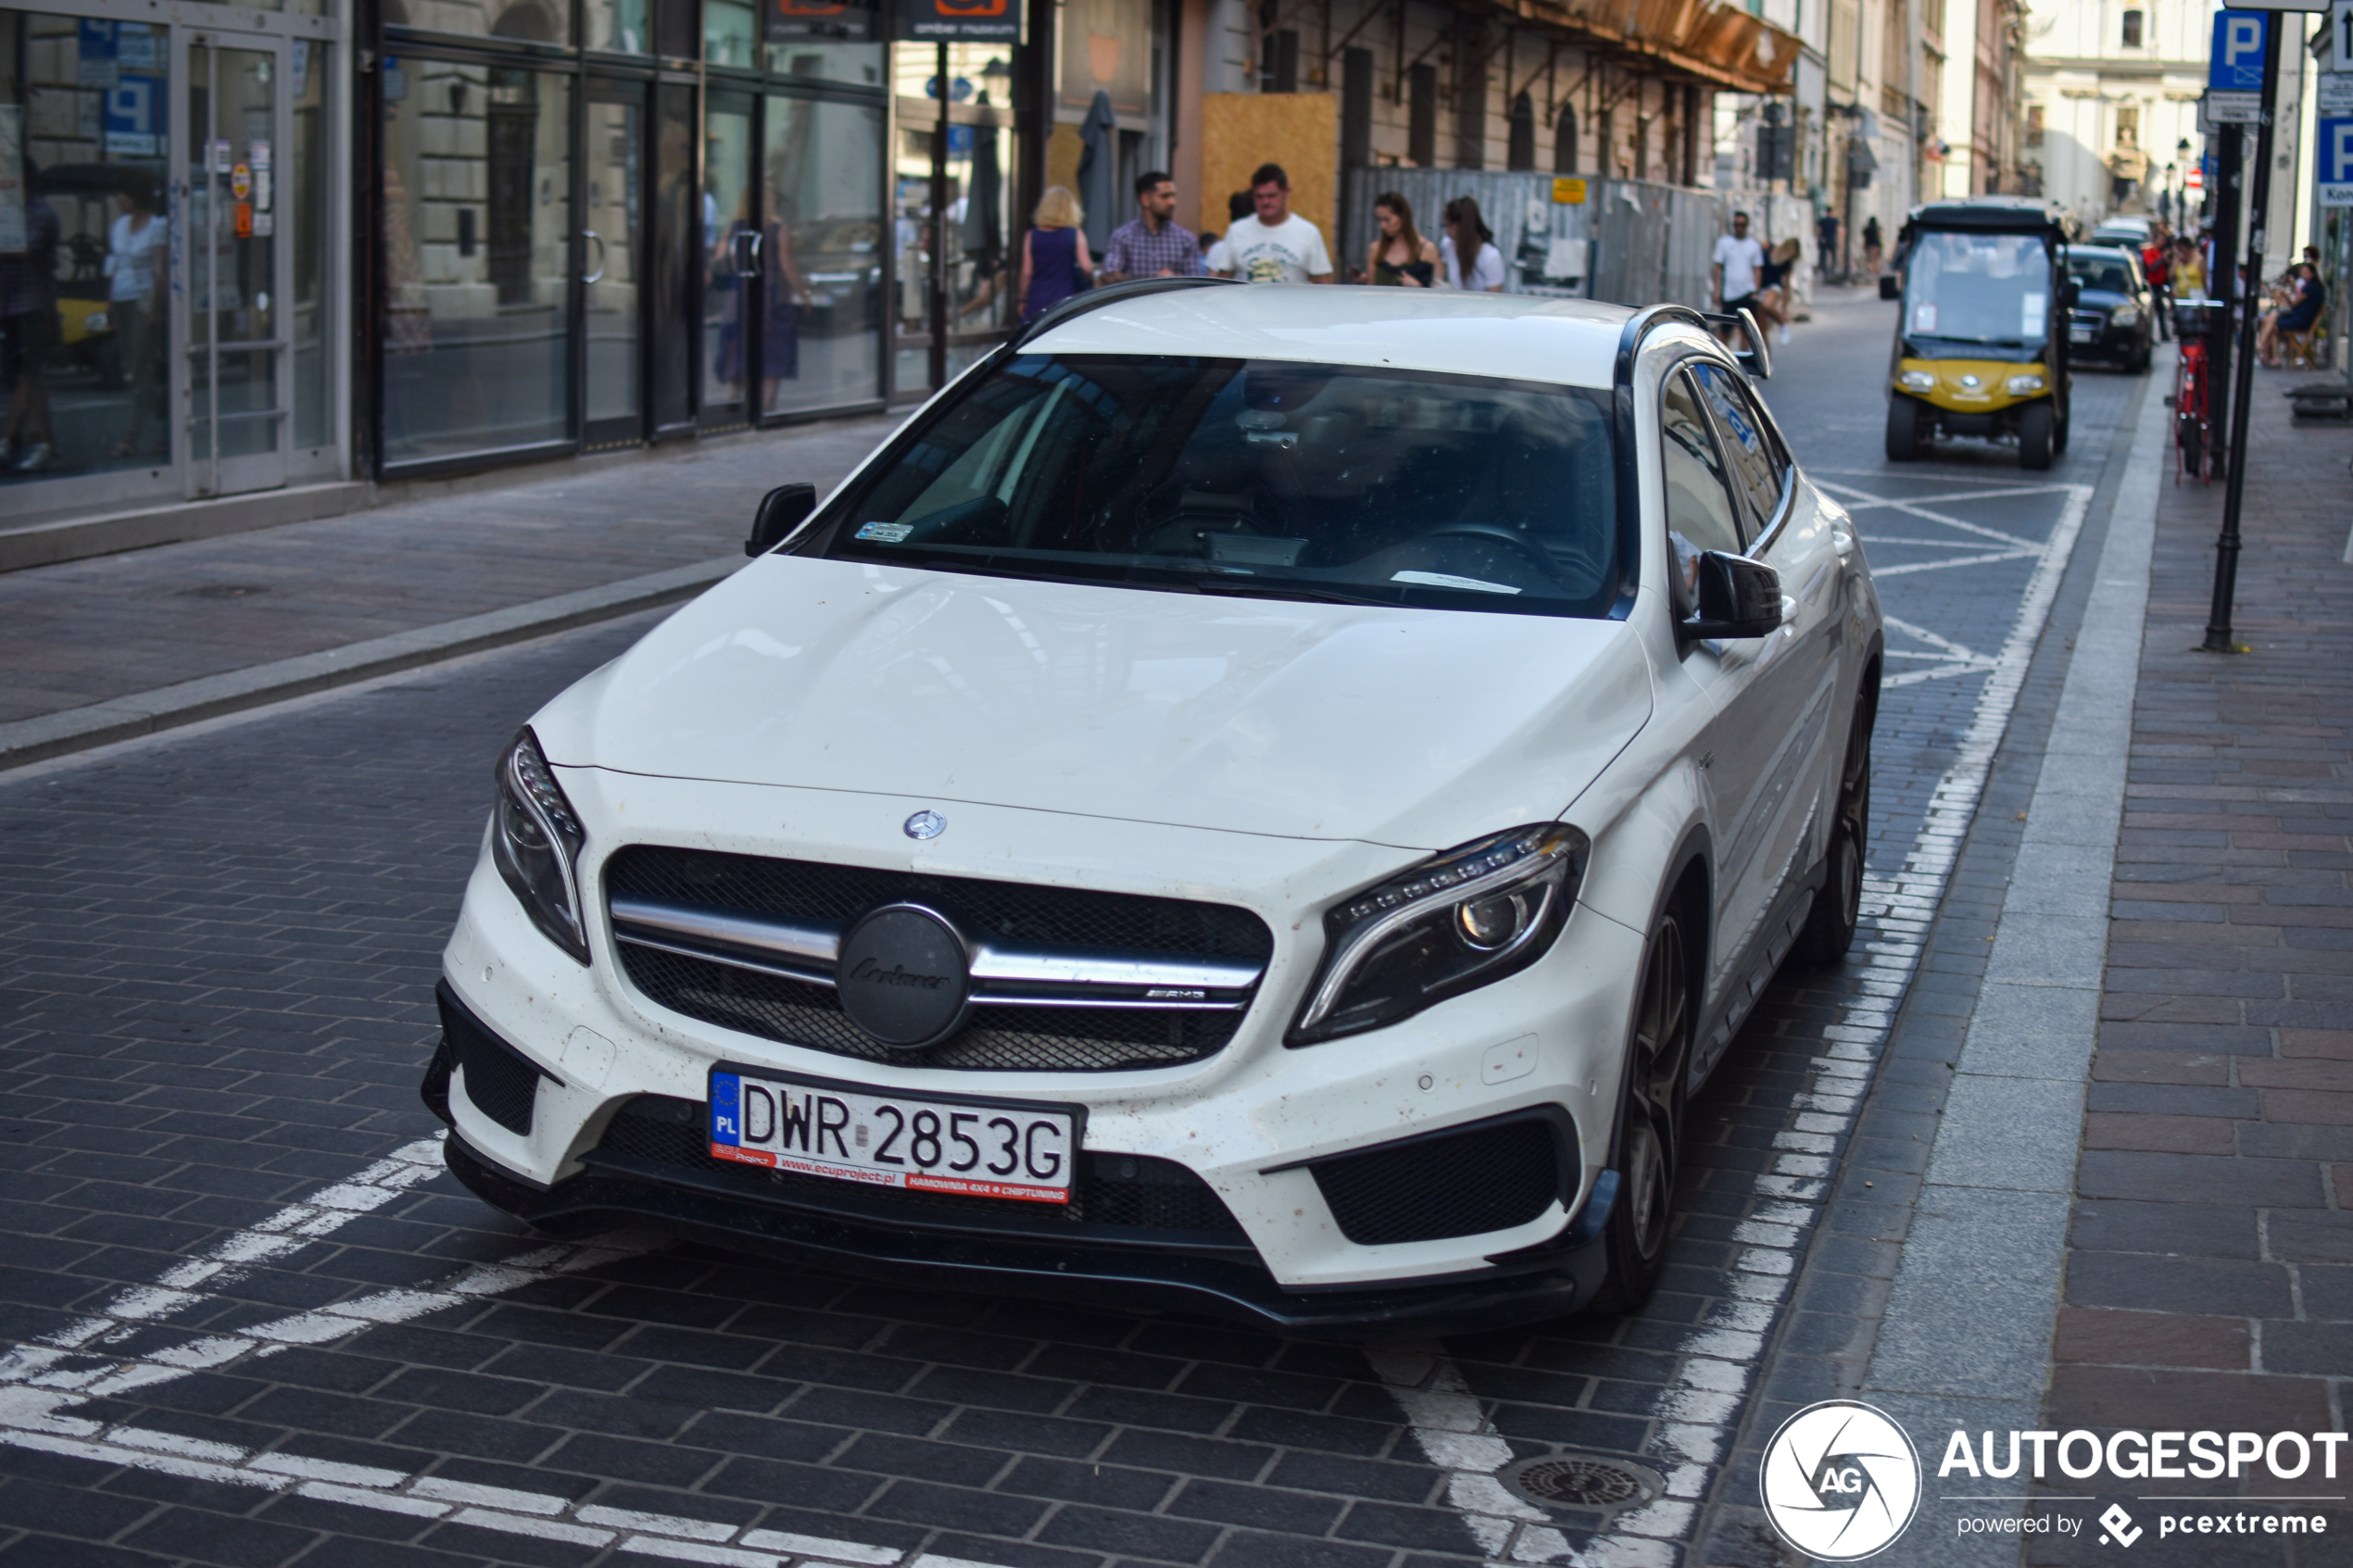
{"x":1830,"y":925}
{"x":1649,"y":1122}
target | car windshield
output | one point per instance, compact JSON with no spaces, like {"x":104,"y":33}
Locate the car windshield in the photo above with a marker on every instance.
{"x":1978,"y":288}
{"x":2099,"y":273}
{"x":1310,"y":481}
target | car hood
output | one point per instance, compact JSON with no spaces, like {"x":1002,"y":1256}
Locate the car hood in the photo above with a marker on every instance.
{"x":1418,"y":728}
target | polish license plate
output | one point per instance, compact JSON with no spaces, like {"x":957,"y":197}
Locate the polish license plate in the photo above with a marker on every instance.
{"x":986,"y":1148}
{"x":2083,"y":334}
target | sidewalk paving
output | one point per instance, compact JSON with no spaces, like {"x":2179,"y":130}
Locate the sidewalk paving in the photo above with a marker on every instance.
{"x":2210,"y":1270}
{"x":91,"y":632}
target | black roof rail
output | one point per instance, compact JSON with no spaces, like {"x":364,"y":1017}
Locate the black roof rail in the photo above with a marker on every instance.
{"x":1756,"y":360}
{"x":1638,"y":326}
{"x":1077,"y":305}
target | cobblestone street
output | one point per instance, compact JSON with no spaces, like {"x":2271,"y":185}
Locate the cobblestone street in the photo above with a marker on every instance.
{"x":256,"y":1323}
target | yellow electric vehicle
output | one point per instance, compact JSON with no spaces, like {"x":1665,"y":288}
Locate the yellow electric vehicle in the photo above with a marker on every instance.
{"x":1981,"y":346}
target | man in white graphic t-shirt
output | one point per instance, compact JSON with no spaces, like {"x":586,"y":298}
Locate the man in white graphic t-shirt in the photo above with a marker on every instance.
{"x":1738,"y":260}
{"x":1276,"y":245}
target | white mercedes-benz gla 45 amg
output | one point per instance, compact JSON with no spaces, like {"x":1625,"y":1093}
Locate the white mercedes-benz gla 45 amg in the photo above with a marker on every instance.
{"x":1265,"y":801}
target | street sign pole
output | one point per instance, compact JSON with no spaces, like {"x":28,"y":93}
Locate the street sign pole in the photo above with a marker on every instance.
{"x":2229,"y":146}
{"x":2258,"y":197}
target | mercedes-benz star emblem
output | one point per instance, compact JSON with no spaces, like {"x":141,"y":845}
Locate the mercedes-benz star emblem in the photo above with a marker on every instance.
{"x":926,"y":825}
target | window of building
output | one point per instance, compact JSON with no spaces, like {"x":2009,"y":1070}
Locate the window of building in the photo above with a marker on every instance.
{"x":1520,"y":151}
{"x":2033,"y":125}
{"x":1421,"y":116}
{"x":2133,"y":21}
{"x":1564,"y":142}
{"x":2128,"y":124}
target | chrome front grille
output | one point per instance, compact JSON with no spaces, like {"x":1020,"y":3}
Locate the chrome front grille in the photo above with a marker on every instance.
{"x":1063,"y":979}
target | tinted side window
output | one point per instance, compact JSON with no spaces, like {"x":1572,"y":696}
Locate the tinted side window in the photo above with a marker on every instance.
{"x":1701,"y":514}
{"x":1755,"y":461}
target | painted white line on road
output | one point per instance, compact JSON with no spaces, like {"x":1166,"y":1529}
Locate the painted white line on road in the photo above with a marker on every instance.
{"x":1699,"y":1409}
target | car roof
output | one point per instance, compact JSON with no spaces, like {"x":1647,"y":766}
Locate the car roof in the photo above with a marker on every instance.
{"x":2113,"y":253}
{"x":1520,"y":337}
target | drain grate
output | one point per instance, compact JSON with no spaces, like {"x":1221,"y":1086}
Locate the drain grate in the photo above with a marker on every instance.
{"x":1583,"y":1481}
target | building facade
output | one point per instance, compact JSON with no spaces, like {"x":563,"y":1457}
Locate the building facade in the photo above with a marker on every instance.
{"x":309,"y":243}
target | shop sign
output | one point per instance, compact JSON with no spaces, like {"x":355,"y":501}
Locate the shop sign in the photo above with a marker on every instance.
{"x":958,"y":21}
{"x":1568,"y":192}
{"x":2335,"y":161}
{"x":789,"y":20}
{"x":99,"y":62}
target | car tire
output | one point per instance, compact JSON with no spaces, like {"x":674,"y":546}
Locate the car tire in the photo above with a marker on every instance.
{"x":2139,"y":364}
{"x":2034,"y":433}
{"x":1903,"y":427}
{"x":1838,"y":908}
{"x":2190,"y":436}
{"x":1650,"y":1121}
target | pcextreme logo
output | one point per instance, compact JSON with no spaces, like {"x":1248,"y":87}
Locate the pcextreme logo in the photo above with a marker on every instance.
{"x":1841,"y":1481}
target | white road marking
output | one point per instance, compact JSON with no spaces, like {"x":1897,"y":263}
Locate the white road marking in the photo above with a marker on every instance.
{"x":1698,"y":1410}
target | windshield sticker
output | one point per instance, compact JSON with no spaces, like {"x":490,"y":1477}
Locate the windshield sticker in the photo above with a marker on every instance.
{"x":1440,"y":580}
{"x":887,"y":533}
{"x":1923,"y":318}
{"x":2030,"y":313}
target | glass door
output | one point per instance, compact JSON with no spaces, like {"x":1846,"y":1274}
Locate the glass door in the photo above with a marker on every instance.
{"x":238,"y":318}
{"x":730,"y":264}
{"x":612,"y":262}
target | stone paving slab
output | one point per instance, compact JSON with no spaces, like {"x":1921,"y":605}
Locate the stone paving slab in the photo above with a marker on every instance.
{"x":88,"y":632}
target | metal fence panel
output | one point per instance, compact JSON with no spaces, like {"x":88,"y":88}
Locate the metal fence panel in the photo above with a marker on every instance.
{"x":1632,"y":242}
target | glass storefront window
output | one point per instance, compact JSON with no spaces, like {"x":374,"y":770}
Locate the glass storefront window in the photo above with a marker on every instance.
{"x":619,"y":25}
{"x":85,"y":289}
{"x":730,"y":32}
{"x":818,"y":59}
{"x":730,"y":221}
{"x":525,"y":21}
{"x":980,"y":239}
{"x":478,"y":259}
{"x":821,"y":255}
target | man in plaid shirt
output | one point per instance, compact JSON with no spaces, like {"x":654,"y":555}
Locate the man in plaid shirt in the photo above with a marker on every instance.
{"x":1154,"y":244}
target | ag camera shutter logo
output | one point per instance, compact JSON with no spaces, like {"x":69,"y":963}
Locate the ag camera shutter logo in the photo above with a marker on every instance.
{"x":1841,"y":1481}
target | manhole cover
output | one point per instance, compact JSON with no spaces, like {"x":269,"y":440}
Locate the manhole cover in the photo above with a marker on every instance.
{"x":222,"y":590}
{"x":1582,"y":1481}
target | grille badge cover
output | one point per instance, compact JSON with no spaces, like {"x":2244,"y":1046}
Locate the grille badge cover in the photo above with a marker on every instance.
{"x":925,"y":824}
{"x":905,"y":976}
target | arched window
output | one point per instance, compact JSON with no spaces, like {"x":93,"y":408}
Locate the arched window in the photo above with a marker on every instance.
{"x":1564,"y":142}
{"x":1520,"y":151}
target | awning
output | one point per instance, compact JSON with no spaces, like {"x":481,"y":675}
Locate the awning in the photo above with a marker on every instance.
{"x":1707,"y":41}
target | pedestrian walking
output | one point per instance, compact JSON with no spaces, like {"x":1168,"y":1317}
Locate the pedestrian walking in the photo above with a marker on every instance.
{"x":2157,"y":267}
{"x":1152,"y":244}
{"x":1773,"y":291}
{"x":2188,"y":272}
{"x":28,"y":332}
{"x":1874,"y":244}
{"x":1238,"y":206}
{"x":1737,"y":270}
{"x":1398,"y":255}
{"x":1468,"y":234}
{"x":1274,"y":245}
{"x":1833,"y":265}
{"x":1053,"y":254}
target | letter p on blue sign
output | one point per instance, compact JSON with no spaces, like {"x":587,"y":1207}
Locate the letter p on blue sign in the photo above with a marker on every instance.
{"x":2240,"y":40}
{"x":2334,"y":156}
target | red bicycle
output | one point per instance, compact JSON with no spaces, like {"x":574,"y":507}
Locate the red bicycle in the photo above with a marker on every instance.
{"x":2195,"y":322}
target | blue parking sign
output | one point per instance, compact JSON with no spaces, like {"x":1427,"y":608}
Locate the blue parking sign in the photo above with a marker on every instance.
{"x":2333,"y":159}
{"x":2241,"y":39}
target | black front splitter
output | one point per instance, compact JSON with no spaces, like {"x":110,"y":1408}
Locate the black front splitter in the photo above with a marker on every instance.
{"x":1527,"y":1287}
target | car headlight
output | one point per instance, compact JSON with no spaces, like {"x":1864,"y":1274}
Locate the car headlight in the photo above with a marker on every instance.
{"x":1464,"y":918}
{"x":2020,"y":385}
{"x":1918,"y":381}
{"x":534,"y":841}
{"x":2124,"y":316}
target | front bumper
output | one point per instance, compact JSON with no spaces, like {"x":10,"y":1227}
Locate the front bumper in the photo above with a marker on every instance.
{"x":1543,"y":1282}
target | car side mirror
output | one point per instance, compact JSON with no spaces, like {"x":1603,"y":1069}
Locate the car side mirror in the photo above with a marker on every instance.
{"x":781,"y":510}
{"x":1738,"y":597}
{"x":1890,"y":286}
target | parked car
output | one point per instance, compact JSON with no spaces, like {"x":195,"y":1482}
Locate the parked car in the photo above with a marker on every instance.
{"x":1260,"y":801}
{"x":2112,"y":320}
{"x":2130,"y":233}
